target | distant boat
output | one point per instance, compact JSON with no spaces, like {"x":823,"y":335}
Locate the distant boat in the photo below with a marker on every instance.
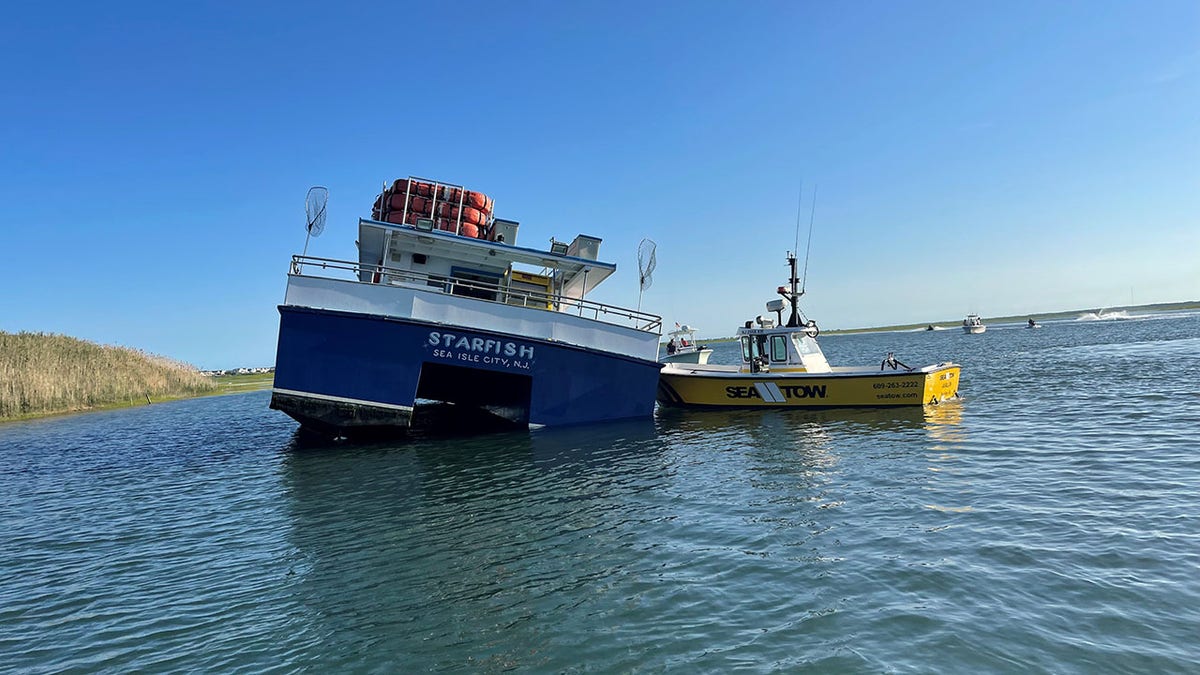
{"x":682,"y":347}
{"x":973,"y":324}
{"x":1033,"y":324}
{"x":929,"y":327}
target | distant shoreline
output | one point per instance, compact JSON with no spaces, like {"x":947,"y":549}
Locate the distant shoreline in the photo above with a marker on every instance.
{"x":1021,"y":318}
{"x":1015,"y":318}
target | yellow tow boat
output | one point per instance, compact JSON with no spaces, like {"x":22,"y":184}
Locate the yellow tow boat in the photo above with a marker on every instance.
{"x":784,"y":367}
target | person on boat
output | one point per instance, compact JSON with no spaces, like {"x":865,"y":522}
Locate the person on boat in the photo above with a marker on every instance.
{"x":683,"y":342}
{"x":1032,"y":323}
{"x":671,"y":346}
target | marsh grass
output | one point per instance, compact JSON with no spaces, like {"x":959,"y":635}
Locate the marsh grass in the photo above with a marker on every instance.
{"x":42,"y":373}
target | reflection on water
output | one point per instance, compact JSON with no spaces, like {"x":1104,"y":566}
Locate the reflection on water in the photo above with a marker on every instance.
{"x":455,"y":541}
{"x":943,"y":423}
{"x":807,"y":428}
{"x":796,"y":421}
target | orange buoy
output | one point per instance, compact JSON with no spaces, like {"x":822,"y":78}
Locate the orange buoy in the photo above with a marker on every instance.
{"x":469,"y":215}
{"x":478,"y":200}
{"x":399,"y":217}
{"x":415,"y":204}
{"x":404,"y":186}
{"x":469,"y":230}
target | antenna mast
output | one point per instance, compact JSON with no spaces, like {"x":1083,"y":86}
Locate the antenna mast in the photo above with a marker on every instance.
{"x":794,"y":295}
{"x":799,"y":202}
{"x":797,"y":283}
{"x":808,"y":248}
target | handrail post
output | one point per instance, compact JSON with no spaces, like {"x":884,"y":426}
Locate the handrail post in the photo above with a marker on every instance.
{"x":433,"y":191}
{"x":407,"y":193}
{"x":462,"y":196}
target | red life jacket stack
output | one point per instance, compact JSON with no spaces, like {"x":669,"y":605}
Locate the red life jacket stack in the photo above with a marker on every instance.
{"x":451,"y":209}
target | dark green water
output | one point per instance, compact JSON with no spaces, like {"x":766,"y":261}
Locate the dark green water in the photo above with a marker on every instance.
{"x":1048,"y":522}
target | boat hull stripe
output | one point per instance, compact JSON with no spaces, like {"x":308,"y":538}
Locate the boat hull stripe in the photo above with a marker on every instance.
{"x":341,"y":399}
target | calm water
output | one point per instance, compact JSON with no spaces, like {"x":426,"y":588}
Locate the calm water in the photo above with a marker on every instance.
{"x":1050,"y":521}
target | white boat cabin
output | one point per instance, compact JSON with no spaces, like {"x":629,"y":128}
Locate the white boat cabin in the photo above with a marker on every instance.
{"x":770,"y":348}
{"x":411,"y":256}
{"x":418,"y":271}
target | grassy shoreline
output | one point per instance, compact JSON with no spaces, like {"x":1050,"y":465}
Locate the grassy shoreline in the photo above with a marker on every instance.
{"x":226,"y":384}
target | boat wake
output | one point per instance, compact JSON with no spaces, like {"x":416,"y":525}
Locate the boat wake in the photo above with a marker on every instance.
{"x":1106,"y":316}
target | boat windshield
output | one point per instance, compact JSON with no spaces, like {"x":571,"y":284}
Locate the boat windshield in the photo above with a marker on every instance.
{"x":805,"y":344}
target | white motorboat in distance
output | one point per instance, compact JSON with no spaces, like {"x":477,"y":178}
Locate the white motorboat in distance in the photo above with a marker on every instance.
{"x":682,"y":347}
{"x":973,"y":324}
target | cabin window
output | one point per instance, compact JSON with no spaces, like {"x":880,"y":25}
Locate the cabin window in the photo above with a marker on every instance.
{"x":778,"y":348}
{"x":473,"y":283}
{"x":753,"y":346}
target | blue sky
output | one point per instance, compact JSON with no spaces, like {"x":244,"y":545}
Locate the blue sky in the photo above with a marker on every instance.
{"x":989,"y":157}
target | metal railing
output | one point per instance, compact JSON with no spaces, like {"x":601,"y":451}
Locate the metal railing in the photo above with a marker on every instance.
{"x":499,"y":293}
